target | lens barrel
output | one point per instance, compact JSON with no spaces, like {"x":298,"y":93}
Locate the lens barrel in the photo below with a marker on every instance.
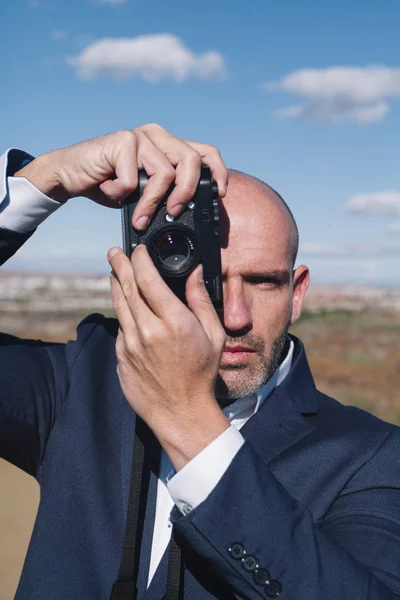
{"x":174,"y":250}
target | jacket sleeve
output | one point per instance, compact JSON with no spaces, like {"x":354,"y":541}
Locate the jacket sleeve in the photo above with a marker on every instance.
{"x":263,"y":543}
{"x":33,"y":385}
{"x":10,"y":242}
{"x":33,"y":374}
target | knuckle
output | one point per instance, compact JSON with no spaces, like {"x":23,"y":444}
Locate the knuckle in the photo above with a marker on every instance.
{"x":194,"y":157}
{"x":150,"y":202}
{"x":145,"y":283}
{"x":140,"y":135}
{"x":130,"y":343}
{"x":127,"y":184}
{"x":147,"y":334}
{"x":126,"y":136}
{"x":203,"y":299}
{"x":151,"y":127}
{"x":187,"y":188}
{"x":213,"y":151}
{"x":120,"y":348}
{"x":116,"y":300}
{"x":154,"y":125}
{"x":167,"y":172}
{"x":127,"y":287}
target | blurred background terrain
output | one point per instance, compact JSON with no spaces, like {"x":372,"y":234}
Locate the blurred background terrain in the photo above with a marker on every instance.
{"x":351,"y":334}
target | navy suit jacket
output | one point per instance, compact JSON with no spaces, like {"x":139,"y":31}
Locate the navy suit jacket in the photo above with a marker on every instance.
{"x":313,"y":494}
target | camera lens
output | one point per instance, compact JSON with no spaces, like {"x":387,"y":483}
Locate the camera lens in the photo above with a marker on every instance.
{"x":174,"y":251}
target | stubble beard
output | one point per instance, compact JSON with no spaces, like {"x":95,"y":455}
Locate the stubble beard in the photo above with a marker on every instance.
{"x":243,"y":379}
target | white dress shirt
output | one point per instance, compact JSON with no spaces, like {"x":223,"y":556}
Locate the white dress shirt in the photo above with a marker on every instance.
{"x":22,"y":208}
{"x":192,"y":484}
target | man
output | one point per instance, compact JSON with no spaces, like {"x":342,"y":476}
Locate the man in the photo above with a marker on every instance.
{"x":303,"y":502}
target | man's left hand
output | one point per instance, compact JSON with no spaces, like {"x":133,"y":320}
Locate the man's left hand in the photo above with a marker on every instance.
{"x":168,"y":354}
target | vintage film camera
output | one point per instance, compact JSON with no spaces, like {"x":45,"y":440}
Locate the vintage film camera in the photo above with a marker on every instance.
{"x":178,"y":244}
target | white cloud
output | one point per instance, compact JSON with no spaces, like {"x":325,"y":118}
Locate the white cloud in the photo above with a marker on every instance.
{"x":336,"y":93}
{"x":394,"y":227}
{"x":390,"y":248}
{"x":334,"y":111}
{"x":58,"y":35}
{"x":379,"y":203}
{"x":150,"y":57}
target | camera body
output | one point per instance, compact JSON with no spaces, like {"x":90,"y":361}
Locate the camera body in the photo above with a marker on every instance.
{"x":177,"y":244}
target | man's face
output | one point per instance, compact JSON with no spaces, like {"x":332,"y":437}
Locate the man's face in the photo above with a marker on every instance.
{"x":262,"y":295}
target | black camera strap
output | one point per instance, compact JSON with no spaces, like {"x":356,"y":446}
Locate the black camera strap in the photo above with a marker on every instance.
{"x":125,"y":587}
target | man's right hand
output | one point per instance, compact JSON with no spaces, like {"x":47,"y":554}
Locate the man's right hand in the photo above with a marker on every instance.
{"x":105,"y":169}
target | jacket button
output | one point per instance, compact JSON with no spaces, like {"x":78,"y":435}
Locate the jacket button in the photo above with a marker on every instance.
{"x":273,"y":588}
{"x":237,"y":551}
{"x":250,"y":563}
{"x":261,"y":576}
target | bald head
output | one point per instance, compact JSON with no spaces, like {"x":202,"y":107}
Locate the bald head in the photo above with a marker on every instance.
{"x":275,"y":201}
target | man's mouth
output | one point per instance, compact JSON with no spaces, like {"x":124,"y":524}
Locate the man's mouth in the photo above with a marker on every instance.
{"x":234,"y":354}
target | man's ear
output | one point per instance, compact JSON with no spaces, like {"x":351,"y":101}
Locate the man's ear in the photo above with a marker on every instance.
{"x":301,"y":280}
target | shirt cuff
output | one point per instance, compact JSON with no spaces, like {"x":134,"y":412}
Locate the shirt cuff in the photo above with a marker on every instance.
{"x":22,"y":206}
{"x":192,"y":484}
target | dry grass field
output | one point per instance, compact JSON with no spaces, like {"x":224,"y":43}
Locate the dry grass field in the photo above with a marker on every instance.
{"x":354,"y":357}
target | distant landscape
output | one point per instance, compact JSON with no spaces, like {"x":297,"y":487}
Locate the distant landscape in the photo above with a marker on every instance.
{"x":351,"y":334}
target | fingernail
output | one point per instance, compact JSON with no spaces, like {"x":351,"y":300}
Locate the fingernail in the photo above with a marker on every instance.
{"x":176,"y":210}
{"x":112,"y":252}
{"x":142,"y":222}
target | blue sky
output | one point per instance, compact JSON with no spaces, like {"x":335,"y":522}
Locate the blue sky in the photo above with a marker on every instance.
{"x":303,"y":95}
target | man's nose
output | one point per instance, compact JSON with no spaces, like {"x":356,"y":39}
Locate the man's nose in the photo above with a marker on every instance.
{"x":237,"y":310}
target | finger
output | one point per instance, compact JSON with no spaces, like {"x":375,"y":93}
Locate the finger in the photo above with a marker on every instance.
{"x":121,"y":153}
{"x":122,"y":270}
{"x":188,"y":170}
{"x":122,"y":310}
{"x":200,"y":304}
{"x":211,"y":157}
{"x":158,"y":296}
{"x":186,"y":160}
{"x":161,"y":175}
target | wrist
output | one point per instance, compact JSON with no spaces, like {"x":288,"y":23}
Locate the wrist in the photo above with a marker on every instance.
{"x":185,"y":435}
{"x":43,"y":173}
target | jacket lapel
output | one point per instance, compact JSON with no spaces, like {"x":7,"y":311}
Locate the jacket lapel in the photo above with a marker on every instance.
{"x":128,"y":421}
{"x":281,"y":421}
{"x":147,"y":540}
{"x":158,"y":585}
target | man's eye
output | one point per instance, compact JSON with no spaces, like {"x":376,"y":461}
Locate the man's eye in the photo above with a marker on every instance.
{"x":264,"y":281}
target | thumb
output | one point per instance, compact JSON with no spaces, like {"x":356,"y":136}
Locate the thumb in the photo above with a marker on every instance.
{"x":200,"y":303}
